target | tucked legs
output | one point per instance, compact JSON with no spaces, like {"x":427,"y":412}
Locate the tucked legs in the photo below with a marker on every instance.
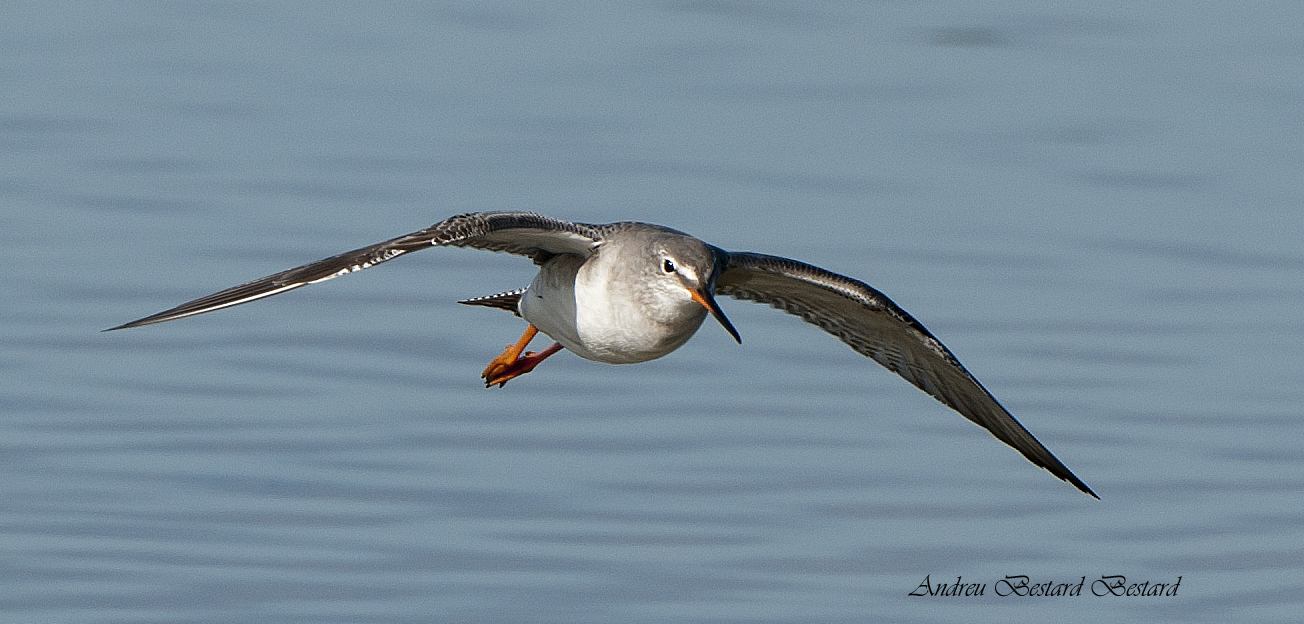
{"x":512,"y":363}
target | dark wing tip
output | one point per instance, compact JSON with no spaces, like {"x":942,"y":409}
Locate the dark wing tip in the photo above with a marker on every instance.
{"x":153,"y":319}
{"x":1071,"y":478}
{"x":521,"y":233}
{"x":166,"y":315}
{"x":872,"y":325}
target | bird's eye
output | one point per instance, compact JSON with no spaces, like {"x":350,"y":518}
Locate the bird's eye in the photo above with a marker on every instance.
{"x":668,"y":266}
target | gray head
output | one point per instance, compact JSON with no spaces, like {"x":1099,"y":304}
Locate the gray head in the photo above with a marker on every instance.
{"x":678,"y":264}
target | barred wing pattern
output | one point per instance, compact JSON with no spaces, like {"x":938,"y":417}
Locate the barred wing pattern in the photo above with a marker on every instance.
{"x":520,"y":233}
{"x":872,"y":325}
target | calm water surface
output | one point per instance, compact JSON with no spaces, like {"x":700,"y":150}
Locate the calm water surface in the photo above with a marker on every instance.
{"x":1097,"y":209}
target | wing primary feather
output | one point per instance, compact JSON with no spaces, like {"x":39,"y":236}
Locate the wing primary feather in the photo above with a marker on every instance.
{"x":872,"y":325}
{"x":522,"y":233}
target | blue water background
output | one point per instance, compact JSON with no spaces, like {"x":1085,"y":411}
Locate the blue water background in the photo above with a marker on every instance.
{"x":1096,"y":207}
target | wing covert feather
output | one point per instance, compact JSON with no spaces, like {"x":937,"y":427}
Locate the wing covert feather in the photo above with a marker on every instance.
{"x":521,"y":233}
{"x":872,"y":325}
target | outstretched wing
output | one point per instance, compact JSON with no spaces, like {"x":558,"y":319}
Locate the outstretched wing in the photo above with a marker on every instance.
{"x":521,"y":233}
{"x":867,"y":321}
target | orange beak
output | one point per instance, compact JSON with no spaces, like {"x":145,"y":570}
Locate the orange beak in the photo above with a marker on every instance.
{"x":703,"y":297}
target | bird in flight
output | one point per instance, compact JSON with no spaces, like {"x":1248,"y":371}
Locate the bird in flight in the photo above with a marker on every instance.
{"x":630,"y":292}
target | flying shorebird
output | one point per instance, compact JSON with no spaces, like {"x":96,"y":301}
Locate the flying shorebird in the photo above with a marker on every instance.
{"x":629,"y":292}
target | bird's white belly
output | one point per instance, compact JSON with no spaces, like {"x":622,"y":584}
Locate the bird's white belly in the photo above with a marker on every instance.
{"x":573,"y":303}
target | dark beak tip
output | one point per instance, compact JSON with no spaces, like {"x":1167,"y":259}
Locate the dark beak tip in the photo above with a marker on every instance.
{"x":724,"y":322}
{"x":705,"y":298}
{"x":730,"y":328}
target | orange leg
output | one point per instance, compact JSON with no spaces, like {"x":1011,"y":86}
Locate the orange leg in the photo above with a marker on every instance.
{"x":512,"y":363}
